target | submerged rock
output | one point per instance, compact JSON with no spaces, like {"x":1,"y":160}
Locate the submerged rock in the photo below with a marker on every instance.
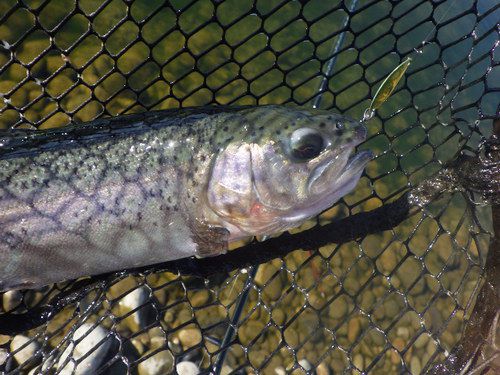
{"x":190,"y":337}
{"x":95,"y":339}
{"x":145,"y":313}
{"x":187,"y":368}
{"x":30,"y":349}
{"x":11,"y":299}
{"x":160,"y":363}
{"x":3,"y":356}
{"x":306,"y":365}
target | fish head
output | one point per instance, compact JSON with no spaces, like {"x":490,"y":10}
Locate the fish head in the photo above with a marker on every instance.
{"x":288,"y":166}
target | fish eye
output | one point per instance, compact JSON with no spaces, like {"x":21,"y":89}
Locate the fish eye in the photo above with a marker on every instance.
{"x":306,"y":144}
{"x":339,"y":125}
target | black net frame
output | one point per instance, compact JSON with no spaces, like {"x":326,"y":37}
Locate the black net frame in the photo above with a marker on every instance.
{"x":393,"y":301}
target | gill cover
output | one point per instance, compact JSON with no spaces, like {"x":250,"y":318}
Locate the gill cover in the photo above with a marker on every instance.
{"x":231,"y":182}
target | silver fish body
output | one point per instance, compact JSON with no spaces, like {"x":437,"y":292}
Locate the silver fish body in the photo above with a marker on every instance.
{"x":141,"y":189}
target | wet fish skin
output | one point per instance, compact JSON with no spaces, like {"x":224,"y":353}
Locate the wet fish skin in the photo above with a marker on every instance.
{"x":141,"y":189}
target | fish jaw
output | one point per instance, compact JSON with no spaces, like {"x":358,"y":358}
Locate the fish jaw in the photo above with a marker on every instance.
{"x":342,"y":185}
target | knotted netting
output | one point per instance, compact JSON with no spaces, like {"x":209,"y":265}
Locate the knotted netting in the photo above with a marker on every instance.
{"x":398,"y":300}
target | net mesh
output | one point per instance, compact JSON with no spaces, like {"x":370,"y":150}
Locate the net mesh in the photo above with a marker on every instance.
{"x":396,"y":301}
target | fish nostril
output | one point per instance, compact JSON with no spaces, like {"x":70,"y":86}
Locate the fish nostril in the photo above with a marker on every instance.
{"x":361,"y":133}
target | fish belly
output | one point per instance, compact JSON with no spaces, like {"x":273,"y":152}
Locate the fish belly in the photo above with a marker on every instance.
{"x":75,"y":235}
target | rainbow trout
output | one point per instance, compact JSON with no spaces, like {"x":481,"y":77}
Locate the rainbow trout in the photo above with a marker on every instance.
{"x":141,"y":189}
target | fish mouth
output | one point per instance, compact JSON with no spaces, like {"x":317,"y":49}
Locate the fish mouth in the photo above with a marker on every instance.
{"x":349,"y":166}
{"x":339,"y":183}
{"x":359,"y":160}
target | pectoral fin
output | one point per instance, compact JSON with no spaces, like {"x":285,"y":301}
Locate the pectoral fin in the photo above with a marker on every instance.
{"x":210,"y":240}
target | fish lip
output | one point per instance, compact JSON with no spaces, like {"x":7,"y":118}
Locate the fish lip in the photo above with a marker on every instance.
{"x":354,"y":162}
{"x":360,"y":158}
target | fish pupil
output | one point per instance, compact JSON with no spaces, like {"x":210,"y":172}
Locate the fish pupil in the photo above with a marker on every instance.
{"x":306,"y":145}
